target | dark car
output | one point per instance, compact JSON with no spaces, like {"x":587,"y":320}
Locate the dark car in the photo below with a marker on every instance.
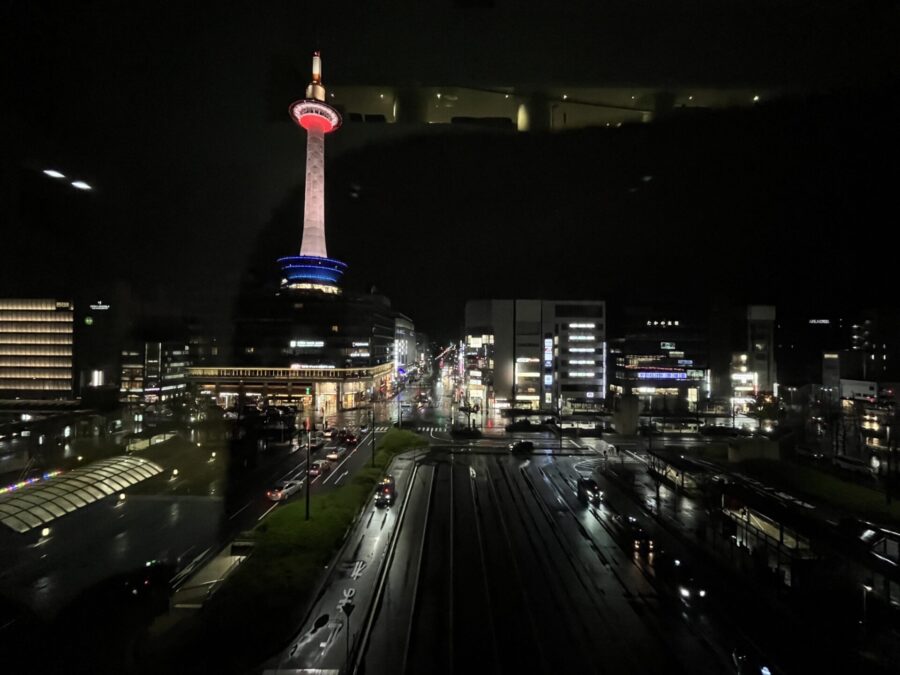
{"x":349,"y":439}
{"x":682,"y":577}
{"x":639,"y":539}
{"x":589,"y":491}
{"x":748,"y":661}
{"x":521,"y":446}
{"x":385,"y":494}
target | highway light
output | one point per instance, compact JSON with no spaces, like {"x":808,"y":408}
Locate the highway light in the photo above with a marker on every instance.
{"x":53,"y":173}
{"x":81,"y":185}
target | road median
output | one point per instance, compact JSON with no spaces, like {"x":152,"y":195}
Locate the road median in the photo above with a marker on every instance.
{"x":256,"y":612}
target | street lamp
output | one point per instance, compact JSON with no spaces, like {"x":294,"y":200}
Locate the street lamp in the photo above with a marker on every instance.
{"x":559,"y":421}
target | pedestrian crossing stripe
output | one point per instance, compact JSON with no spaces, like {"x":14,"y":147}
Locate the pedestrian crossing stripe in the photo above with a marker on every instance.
{"x":382,"y":430}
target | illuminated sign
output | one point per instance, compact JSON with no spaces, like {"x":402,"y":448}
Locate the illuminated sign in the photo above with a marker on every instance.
{"x":300,"y":344}
{"x":548,"y":380}
{"x":548,"y":352}
{"x":821,"y":321}
{"x":99,"y":306}
{"x":661,"y":375}
{"x":590,"y":394}
{"x":667,"y":345}
{"x":581,"y":325}
{"x":685,"y":362}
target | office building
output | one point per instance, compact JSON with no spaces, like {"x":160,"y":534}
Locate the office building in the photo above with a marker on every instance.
{"x":154,"y":371}
{"x":36,"y":348}
{"x":661,"y":356}
{"x":535,"y":354}
{"x":404,"y":354}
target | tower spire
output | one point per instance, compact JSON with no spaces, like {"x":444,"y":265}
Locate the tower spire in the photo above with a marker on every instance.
{"x":315,"y":90}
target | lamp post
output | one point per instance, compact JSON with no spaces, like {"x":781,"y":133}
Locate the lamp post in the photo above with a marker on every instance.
{"x":372,"y":418}
{"x":889,"y":480}
{"x":866,"y":589}
{"x":559,"y":421}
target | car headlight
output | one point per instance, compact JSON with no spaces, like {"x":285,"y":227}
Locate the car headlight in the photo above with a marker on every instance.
{"x":685,"y":593}
{"x":702,"y":594}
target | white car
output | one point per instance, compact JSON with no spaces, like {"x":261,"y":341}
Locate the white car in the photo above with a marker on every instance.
{"x":334,"y":454}
{"x":284,"y":489}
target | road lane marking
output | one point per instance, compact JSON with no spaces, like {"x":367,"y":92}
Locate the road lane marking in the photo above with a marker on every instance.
{"x":239,"y":510}
{"x":293,"y":470}
{"x":267,"y":512}
{"x":349,"y":455}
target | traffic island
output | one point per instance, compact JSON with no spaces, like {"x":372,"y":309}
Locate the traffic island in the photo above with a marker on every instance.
{"x":258,"y":608}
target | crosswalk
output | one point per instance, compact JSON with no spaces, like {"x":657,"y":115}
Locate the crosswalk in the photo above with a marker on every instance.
{"x":444,"y":428}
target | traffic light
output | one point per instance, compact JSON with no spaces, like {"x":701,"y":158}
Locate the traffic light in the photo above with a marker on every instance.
{"x":308,"y":391}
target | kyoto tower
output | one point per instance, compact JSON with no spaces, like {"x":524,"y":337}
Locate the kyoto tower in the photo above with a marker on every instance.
{"x":313,"y":270}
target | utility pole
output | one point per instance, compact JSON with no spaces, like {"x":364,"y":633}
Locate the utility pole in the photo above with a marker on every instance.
{"x":308,"y":434}
{"x":372,"y":417}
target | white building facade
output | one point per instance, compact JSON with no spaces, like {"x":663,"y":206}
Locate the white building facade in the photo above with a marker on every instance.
{"x":536,"y":354}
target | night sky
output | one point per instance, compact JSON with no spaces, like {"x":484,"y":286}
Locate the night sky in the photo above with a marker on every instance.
{"x":178,"y":116}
